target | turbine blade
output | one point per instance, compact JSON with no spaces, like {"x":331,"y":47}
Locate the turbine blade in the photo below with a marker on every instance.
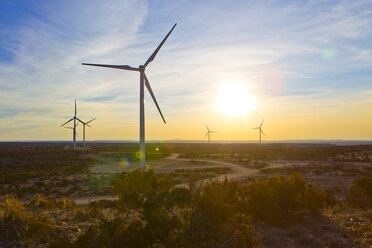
{"x":75,"y":107}
{"x":262,"y":132}
{"x":82,"y":122}
{"x":66,"y":122}
{"x":262,"y":122}
{"x":207,"y":127}
{"x":77,"y":124}
{"x":206,"y":134}
{"x":152,"y":57}
{"x":122,"y":67}
{"x":90,"y":120}
{"x":153,"y":97}
{"x":68,"y":127}
{"x":256,"y":128}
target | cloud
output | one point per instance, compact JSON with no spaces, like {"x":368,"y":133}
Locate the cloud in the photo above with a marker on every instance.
{"x":282,"y":49}
{"x":51,"y":45}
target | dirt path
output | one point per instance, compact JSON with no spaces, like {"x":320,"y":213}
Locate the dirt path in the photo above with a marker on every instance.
{"x":238,"y":172}
{"x":82,"y":201}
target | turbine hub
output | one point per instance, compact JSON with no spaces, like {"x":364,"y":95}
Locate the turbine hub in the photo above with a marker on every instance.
{"x":141,"y":68}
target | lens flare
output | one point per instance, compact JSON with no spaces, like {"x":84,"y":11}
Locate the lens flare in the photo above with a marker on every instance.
{"x":329,"y":53}
{"x":125,"y":161}
{"x":139,"y":155}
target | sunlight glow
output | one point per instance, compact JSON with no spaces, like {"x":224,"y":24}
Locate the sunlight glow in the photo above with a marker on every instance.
{"x":234,"y":99}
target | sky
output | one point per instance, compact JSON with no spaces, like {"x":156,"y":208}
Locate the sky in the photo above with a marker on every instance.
{"x":303,"y":66}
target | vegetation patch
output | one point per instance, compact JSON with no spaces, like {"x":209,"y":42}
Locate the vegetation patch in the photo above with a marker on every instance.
{"x":360,"y":192}
{"x":282,"y":201}
{"x":18,"y":224}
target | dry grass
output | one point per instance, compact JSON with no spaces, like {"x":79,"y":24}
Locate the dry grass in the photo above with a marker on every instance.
{"x":357,"y":222}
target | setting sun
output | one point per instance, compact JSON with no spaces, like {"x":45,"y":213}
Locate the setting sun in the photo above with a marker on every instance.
{"x":234,"y":99}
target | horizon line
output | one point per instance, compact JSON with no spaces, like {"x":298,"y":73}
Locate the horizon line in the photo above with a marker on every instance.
{"x":199,"y":141}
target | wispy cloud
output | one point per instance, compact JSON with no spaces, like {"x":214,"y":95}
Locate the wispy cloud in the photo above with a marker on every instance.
{"x":286,"y":51}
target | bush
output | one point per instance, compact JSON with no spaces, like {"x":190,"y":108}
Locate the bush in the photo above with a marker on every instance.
{"x":154,"y":213}
{"x":281,"y":200}
{"x":12,"y":220}
{"x":17,"y":224}
{"x":154,"y":198}
{"x":259,"y":164}
{"x":147,"y":215}
{"x":360,"y":192}
{"x":50,"y":203}
{"x":217,"y":218}
{"x":115,"y":233}
{"x":43,"y":203}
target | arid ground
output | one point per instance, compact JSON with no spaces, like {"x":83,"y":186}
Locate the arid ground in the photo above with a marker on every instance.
{"x":42,"y":173}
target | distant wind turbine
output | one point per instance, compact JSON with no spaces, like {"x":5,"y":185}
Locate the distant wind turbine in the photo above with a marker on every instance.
{"x":143,"y":82}
{"x":85,"y":124}
{"x":74,"y":127}
{"x":208,"y":134}
{"x":260,"y":128}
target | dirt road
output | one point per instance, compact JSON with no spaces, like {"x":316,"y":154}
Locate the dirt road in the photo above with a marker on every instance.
{"x":173,"y":162}
{"x":237,"y":171}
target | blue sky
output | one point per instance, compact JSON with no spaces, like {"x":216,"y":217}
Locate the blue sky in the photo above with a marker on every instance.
{"x":307,"y":63}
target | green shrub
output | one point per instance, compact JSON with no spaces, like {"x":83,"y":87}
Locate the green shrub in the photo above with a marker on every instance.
{"x":115,"y":233}
{"x":281,"y":200}
{"x":360,"y":192}
{"x":40,"y":228}
{"x":217,"y":218}
{"x":154,"y":213}
{"x":154,"y":198}
{"x":259,"y":164}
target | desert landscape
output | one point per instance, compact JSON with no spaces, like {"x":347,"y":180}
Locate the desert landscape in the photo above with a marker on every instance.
{"x":74,"y":191}
{"x":185,"y":124}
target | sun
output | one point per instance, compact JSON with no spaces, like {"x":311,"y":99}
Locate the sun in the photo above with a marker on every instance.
{"x":234,"y":99}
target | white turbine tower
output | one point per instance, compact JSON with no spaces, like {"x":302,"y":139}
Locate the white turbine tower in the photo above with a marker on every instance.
{"x":74,"y":130}
{"x":260,"y":129}
{"x":143,"y":82}
{"x":208,"y":134}
{"x":85,"y":124}
{"x":74,"y":127}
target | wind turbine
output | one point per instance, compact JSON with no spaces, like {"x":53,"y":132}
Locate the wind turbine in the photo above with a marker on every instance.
{"x":208,"y":134}
{"x":74,"y":127}
{"x":85,"y":124}
{"x":260,"y":128}
{"x":143,"y":82}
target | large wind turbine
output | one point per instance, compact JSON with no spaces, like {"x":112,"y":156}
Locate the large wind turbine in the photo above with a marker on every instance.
{"x":208,"y":134}
{"x":260,"y":128}
{"x":143,"y":82}
{"x":85,"y":124}
{"x":74,"y":127}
